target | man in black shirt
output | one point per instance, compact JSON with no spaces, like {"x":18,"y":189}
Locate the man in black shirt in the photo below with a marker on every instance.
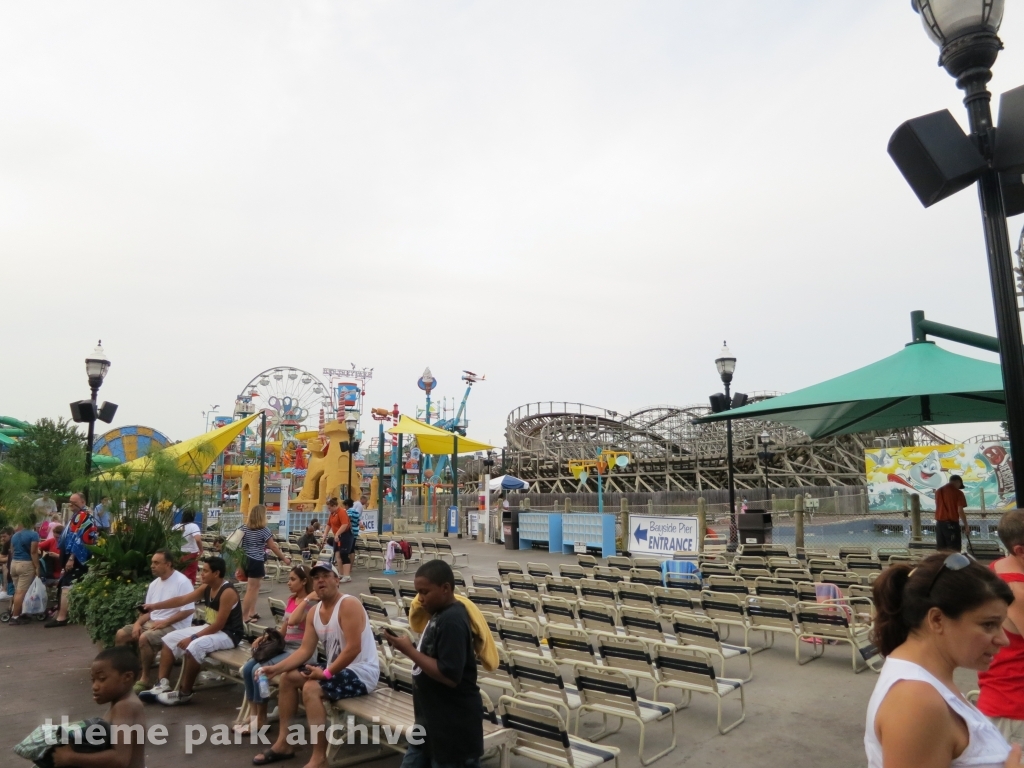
{"x":309,"y":537}
{"x":446,"y":698}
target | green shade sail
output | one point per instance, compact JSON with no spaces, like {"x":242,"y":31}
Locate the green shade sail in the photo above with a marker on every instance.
{"x":921,"y":384}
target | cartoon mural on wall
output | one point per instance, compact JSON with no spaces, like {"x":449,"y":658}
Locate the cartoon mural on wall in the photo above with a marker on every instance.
{"x":895,"y":473}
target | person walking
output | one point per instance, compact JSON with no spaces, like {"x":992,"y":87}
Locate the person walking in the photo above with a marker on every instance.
{"x":340,"y":523}
{"x":446,"y":698}
{"x":950,"y":503}
{"x":256,"y":540}
{"x":945,"y":613}
{"x":300,"y":585}
{"x":24,"y":567}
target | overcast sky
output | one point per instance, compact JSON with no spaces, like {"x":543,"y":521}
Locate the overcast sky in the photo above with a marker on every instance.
{"x":579,"y":200}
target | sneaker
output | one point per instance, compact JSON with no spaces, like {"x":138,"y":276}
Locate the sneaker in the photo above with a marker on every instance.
{"x":150,"y":696}
{"x":174,"y":698}
{"x":55,"y":623}
{"x":345,"y":579}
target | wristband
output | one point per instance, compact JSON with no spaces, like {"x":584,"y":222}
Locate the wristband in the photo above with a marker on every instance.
{"x":194,"y":637}
{"x":327,"y":674}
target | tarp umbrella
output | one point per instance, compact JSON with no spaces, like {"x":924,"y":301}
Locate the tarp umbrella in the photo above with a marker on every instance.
{"x":434,"y":440}
{"x":508,"y":483}
{"x":919,"y":385}
{"x":194,"y":455}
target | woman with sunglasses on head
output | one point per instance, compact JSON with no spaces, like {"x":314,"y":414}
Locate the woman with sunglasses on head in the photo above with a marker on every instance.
{"x":302,"y":597}
{"x":1002,"y":685}
{"x":948,"y":612}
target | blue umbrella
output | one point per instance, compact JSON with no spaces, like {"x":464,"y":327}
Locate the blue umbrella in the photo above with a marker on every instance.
{"x":508,"y":483}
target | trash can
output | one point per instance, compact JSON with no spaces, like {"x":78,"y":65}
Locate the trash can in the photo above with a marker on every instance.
{"x":754,"y":526}
{"x":510,"y":528}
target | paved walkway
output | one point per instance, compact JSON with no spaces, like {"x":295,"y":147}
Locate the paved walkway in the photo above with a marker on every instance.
{"x":797,"y":717}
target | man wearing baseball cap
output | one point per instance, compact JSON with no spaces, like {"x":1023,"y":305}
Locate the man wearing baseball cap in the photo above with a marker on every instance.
{"x":341,"y":624}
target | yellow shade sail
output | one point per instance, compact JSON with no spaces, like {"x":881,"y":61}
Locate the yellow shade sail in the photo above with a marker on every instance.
{"x":194,"y":455}
{"x":434,"y":440}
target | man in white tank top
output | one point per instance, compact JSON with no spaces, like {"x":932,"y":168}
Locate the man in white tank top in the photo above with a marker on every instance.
{"x":352,"y":668}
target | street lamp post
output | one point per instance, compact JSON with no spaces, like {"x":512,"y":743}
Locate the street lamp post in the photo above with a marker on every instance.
{"x":965,"y":31}
{"x":96,"y":367}
{"x":765,"y":439}
{"x":426,"y":383}
{"x":351,"y":420}
{"x":726,"y":365}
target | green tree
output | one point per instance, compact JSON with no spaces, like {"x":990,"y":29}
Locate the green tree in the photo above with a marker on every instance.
{"x":53,"y":452}
{"x":15,"y":496}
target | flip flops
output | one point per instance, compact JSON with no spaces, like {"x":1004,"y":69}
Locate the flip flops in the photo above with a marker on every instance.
{"x":270,"y":756}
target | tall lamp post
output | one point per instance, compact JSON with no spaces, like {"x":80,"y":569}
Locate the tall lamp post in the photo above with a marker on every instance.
{"x":726,"y":365}
{"x":765,"y":439}
{"x":96,"y":367}
{"x":202,"y":485}
{"x":938,"y":160}
{"x":427,"y":383}
{"x":351,"y":421}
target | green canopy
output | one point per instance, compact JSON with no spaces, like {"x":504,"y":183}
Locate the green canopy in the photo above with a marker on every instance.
{"x":919,"y":385}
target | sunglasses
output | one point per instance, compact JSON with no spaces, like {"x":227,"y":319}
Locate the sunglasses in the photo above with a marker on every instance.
{"x":955,"y":562}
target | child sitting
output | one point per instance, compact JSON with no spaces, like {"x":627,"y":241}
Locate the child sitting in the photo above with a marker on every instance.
{"x":114,"y":673}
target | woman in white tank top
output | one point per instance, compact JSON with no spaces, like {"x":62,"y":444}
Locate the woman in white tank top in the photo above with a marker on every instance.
{"x":946,"y":613}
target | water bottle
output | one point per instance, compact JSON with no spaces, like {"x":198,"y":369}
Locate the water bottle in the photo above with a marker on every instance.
{"x":263,"y":684}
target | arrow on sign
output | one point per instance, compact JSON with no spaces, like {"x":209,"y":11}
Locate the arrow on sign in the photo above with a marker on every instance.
{"x":640,"y":535}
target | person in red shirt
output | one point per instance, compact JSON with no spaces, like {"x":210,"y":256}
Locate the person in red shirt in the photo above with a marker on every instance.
{"x":1002,"y":686}
{"x":950,"y":503}
{"x":49,"y":553}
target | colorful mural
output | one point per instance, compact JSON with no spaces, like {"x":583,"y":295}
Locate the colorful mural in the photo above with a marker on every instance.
{"x":893,"y":473}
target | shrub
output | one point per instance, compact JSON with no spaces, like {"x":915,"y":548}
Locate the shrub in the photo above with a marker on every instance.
{"x":104,"y":604}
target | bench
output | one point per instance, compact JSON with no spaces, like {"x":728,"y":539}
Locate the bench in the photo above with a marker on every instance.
{"x":395,"y":710}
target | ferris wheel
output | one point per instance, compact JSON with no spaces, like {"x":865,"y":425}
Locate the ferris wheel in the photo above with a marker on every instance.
{"x":291,"y":397}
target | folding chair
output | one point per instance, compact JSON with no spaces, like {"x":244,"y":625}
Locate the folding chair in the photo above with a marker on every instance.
{"x":677,"y":579}
{"x":374,"y":608}
{"x":628,"y":653}
{"x":487,"y":600}
{"x":784,"y":589}
{"x":842,"y":579}
{"x":406,"y":592}
{"x":597,"y":617}
{"x":586,"y":562}
{"x":374,"y":554}
{"x":500,"y":678}
{"x":691,"y":670}
{"x":505,"y":567}
{"x":542,"y":735}
{"x":574,"y":572}
{"x":594,"y":591}
{"x":558,"y":610}
{"x":847,"y":550}
{"x":428,"y":548}
{"x":637,"y":595}
{"x":818,"y":564}
{"x":646,"y":564}
{"x":610,"y":575}
{"x":524,"y":582}
{"x":751,"y":575}
{"x":642,"y":622}
{"x":728,"y":610}
{"x":444,"y":550}
{"x":795,"y":575}
{"x":524,"y":605}
{"x":621,"y":563}
{"x":519,"y":635}
{"x":460,"y":580}
{"x":669,"y":599}
{"x":539,"y":570}
{"x":539,"y":679}
{"x":569,"y":644}
{"x":716,"y":569}
{"x":386,"y":591}
{"x":277,"y":609}
{"x":865,"y":566}
{"x":646,"y":576}
{"x":490,"y":582}
{"x":734,"y":585}
{"x":610,"y":692}
{"x":771,"y":615}
{"x":749,"y":561}
{"x":838,"y":621}
{"x":774,"y":563}
{"x":562,"y":586}
{"x":701,"y":632}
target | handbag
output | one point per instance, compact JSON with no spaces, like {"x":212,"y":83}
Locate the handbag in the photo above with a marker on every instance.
{"x":270,"y":646}
{"x":234,"y":541}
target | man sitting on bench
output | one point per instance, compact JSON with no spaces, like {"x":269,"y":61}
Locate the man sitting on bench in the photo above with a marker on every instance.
{"x":224,"y":630}
{"x":341,"y":624}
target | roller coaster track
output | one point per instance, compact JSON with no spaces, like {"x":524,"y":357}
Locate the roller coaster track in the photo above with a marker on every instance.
{"x":669,"y":452}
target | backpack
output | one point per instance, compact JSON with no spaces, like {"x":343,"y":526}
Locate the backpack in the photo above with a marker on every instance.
{"x":405,"y":549}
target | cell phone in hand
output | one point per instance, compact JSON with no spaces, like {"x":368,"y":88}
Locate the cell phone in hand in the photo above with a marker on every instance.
{"x":141,"y":607}
{"x":389,"y":632}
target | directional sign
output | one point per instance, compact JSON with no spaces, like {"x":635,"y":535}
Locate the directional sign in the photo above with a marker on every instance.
{"x":662,"y":536}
